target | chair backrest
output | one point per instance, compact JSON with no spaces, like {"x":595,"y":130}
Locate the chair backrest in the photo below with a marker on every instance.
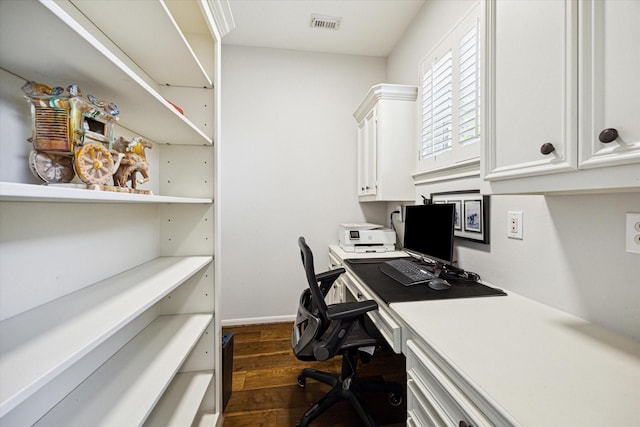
{"x":311,"y":318}
{"x":319,"y":307}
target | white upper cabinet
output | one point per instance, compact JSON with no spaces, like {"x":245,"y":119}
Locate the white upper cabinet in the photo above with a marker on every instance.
{"x":558,"y":73}
{"x":532,"y":83}
{"x":385,"y":143}
{"x":609,"y":83}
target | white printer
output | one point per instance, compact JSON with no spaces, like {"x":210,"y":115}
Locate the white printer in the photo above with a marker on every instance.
{"x":366,"y":238}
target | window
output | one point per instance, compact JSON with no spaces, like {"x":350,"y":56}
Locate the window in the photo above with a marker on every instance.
{"x":437,"y":85}
{"x":450,"y":87}
{"x":469,"y":87}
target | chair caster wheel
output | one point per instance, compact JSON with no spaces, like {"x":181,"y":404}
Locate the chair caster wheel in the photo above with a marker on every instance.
{"x":395,"y":399}
{"x":302,"y":381}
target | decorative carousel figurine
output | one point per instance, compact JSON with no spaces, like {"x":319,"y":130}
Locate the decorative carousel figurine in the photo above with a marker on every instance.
{"x":70,"y":134}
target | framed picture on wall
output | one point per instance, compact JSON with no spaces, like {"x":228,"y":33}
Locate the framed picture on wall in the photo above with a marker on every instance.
{"x":471,"y":213}
{"x":473,"y":216}
{"x":457,"y":223}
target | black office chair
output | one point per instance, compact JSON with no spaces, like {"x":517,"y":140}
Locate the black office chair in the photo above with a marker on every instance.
{"x":322,"y":332}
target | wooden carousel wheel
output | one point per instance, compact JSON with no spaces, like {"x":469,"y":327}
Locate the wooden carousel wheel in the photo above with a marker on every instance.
{"x":51,"y":168}
{"x":94,"y":164}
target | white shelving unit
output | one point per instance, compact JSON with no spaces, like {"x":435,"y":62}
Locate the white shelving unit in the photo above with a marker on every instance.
{"x":31,"y":349}
{"x":109,"y":301}
{"x":123,"y":391}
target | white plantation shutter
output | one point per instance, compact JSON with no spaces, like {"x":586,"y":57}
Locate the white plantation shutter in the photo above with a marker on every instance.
{"x":469,"y":87}
{"x":450,"y":84}
{"x":437,"y":113}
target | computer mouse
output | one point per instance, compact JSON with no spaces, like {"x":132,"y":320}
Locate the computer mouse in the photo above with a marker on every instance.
{"x":439,"y":284}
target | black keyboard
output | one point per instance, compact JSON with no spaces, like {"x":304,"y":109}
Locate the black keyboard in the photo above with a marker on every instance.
{"x":406,"y":271}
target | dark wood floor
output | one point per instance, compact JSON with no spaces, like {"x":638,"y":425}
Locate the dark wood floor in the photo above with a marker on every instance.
{"x":265,"y":389}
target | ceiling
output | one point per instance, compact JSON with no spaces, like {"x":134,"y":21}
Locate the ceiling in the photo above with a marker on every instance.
{"x":368,"y":27}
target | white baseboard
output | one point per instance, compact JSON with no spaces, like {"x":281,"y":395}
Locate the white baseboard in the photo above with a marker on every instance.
{"x":257,"y":320}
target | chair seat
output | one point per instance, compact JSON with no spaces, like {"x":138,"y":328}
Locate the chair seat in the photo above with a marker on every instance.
{"x":357,"y":338}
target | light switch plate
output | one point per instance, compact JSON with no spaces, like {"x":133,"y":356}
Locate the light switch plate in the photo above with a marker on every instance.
{"x":632,"y":233}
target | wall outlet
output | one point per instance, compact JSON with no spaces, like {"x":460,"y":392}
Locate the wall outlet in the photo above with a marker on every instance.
{"x":398,"y":215}
{"x":514,"y":225}
{"x":632,"y":233}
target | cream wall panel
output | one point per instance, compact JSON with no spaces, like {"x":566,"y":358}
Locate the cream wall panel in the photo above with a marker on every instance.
{"x":186,"y":230}
{"x":198,"y":160}
{"x":201,"y":358}
{"x":288,"y":169}
{"x":193,"y":296}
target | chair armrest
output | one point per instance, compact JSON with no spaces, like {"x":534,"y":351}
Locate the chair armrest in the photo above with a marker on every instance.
{"x":342,"y":317}
{"x":350,"y":309}
{"x":330,"y":275}
{"x":327,"y":278}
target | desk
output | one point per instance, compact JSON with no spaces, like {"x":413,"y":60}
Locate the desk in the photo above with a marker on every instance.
{"x":506,"y":361}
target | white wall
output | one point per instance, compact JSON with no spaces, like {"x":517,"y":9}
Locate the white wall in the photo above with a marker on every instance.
{"x":430,"y":25}
{"x":288,"y":156}
{"x":572,"y":256}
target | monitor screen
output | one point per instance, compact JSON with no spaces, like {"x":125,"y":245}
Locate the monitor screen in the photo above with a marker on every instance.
{"x":428,"y":231}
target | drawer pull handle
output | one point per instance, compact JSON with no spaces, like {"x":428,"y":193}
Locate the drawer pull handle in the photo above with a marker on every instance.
{"x":608,"y":135}
{"x":547,"y":148}
{"x":359,"y":295}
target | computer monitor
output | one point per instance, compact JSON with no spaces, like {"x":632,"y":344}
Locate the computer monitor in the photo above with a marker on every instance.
{"x":428,"y":232}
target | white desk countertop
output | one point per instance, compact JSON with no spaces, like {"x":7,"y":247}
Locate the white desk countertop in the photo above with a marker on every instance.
{"x":543,"y":366}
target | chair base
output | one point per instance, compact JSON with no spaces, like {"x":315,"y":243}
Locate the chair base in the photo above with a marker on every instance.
{"x":347,"y":386}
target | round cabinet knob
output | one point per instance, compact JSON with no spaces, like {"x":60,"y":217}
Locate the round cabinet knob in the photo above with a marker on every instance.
{"x":547,"y":148}
{"x":608,"y":135}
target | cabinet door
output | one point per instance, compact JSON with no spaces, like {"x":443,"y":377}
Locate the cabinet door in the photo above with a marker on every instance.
{"x":362,"y":178}
{"x":368,"y":168}
{"x":610,"y":87}
{"x":531,"y":71}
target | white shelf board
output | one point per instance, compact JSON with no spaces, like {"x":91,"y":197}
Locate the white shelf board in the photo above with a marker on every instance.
{"x":18,"y":192}
{"x":39,"y":344}
{"x":65,"y":47}
{"x":180,"y":403}
{"x":124,"y":390}
{"x":140,"y":32}
{"x":207,"y":420}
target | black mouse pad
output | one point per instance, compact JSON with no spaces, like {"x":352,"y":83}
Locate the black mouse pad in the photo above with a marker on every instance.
{"x":391,"y":291}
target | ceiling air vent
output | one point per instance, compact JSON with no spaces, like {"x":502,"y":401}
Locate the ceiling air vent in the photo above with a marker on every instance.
{"x":327,"y":22}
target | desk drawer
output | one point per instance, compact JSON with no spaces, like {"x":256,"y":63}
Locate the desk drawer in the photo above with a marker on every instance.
{"x":334,"y":261}
{"x":420,"y":410}
{"x":381,"y":318}
{"x":436,"y":395}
